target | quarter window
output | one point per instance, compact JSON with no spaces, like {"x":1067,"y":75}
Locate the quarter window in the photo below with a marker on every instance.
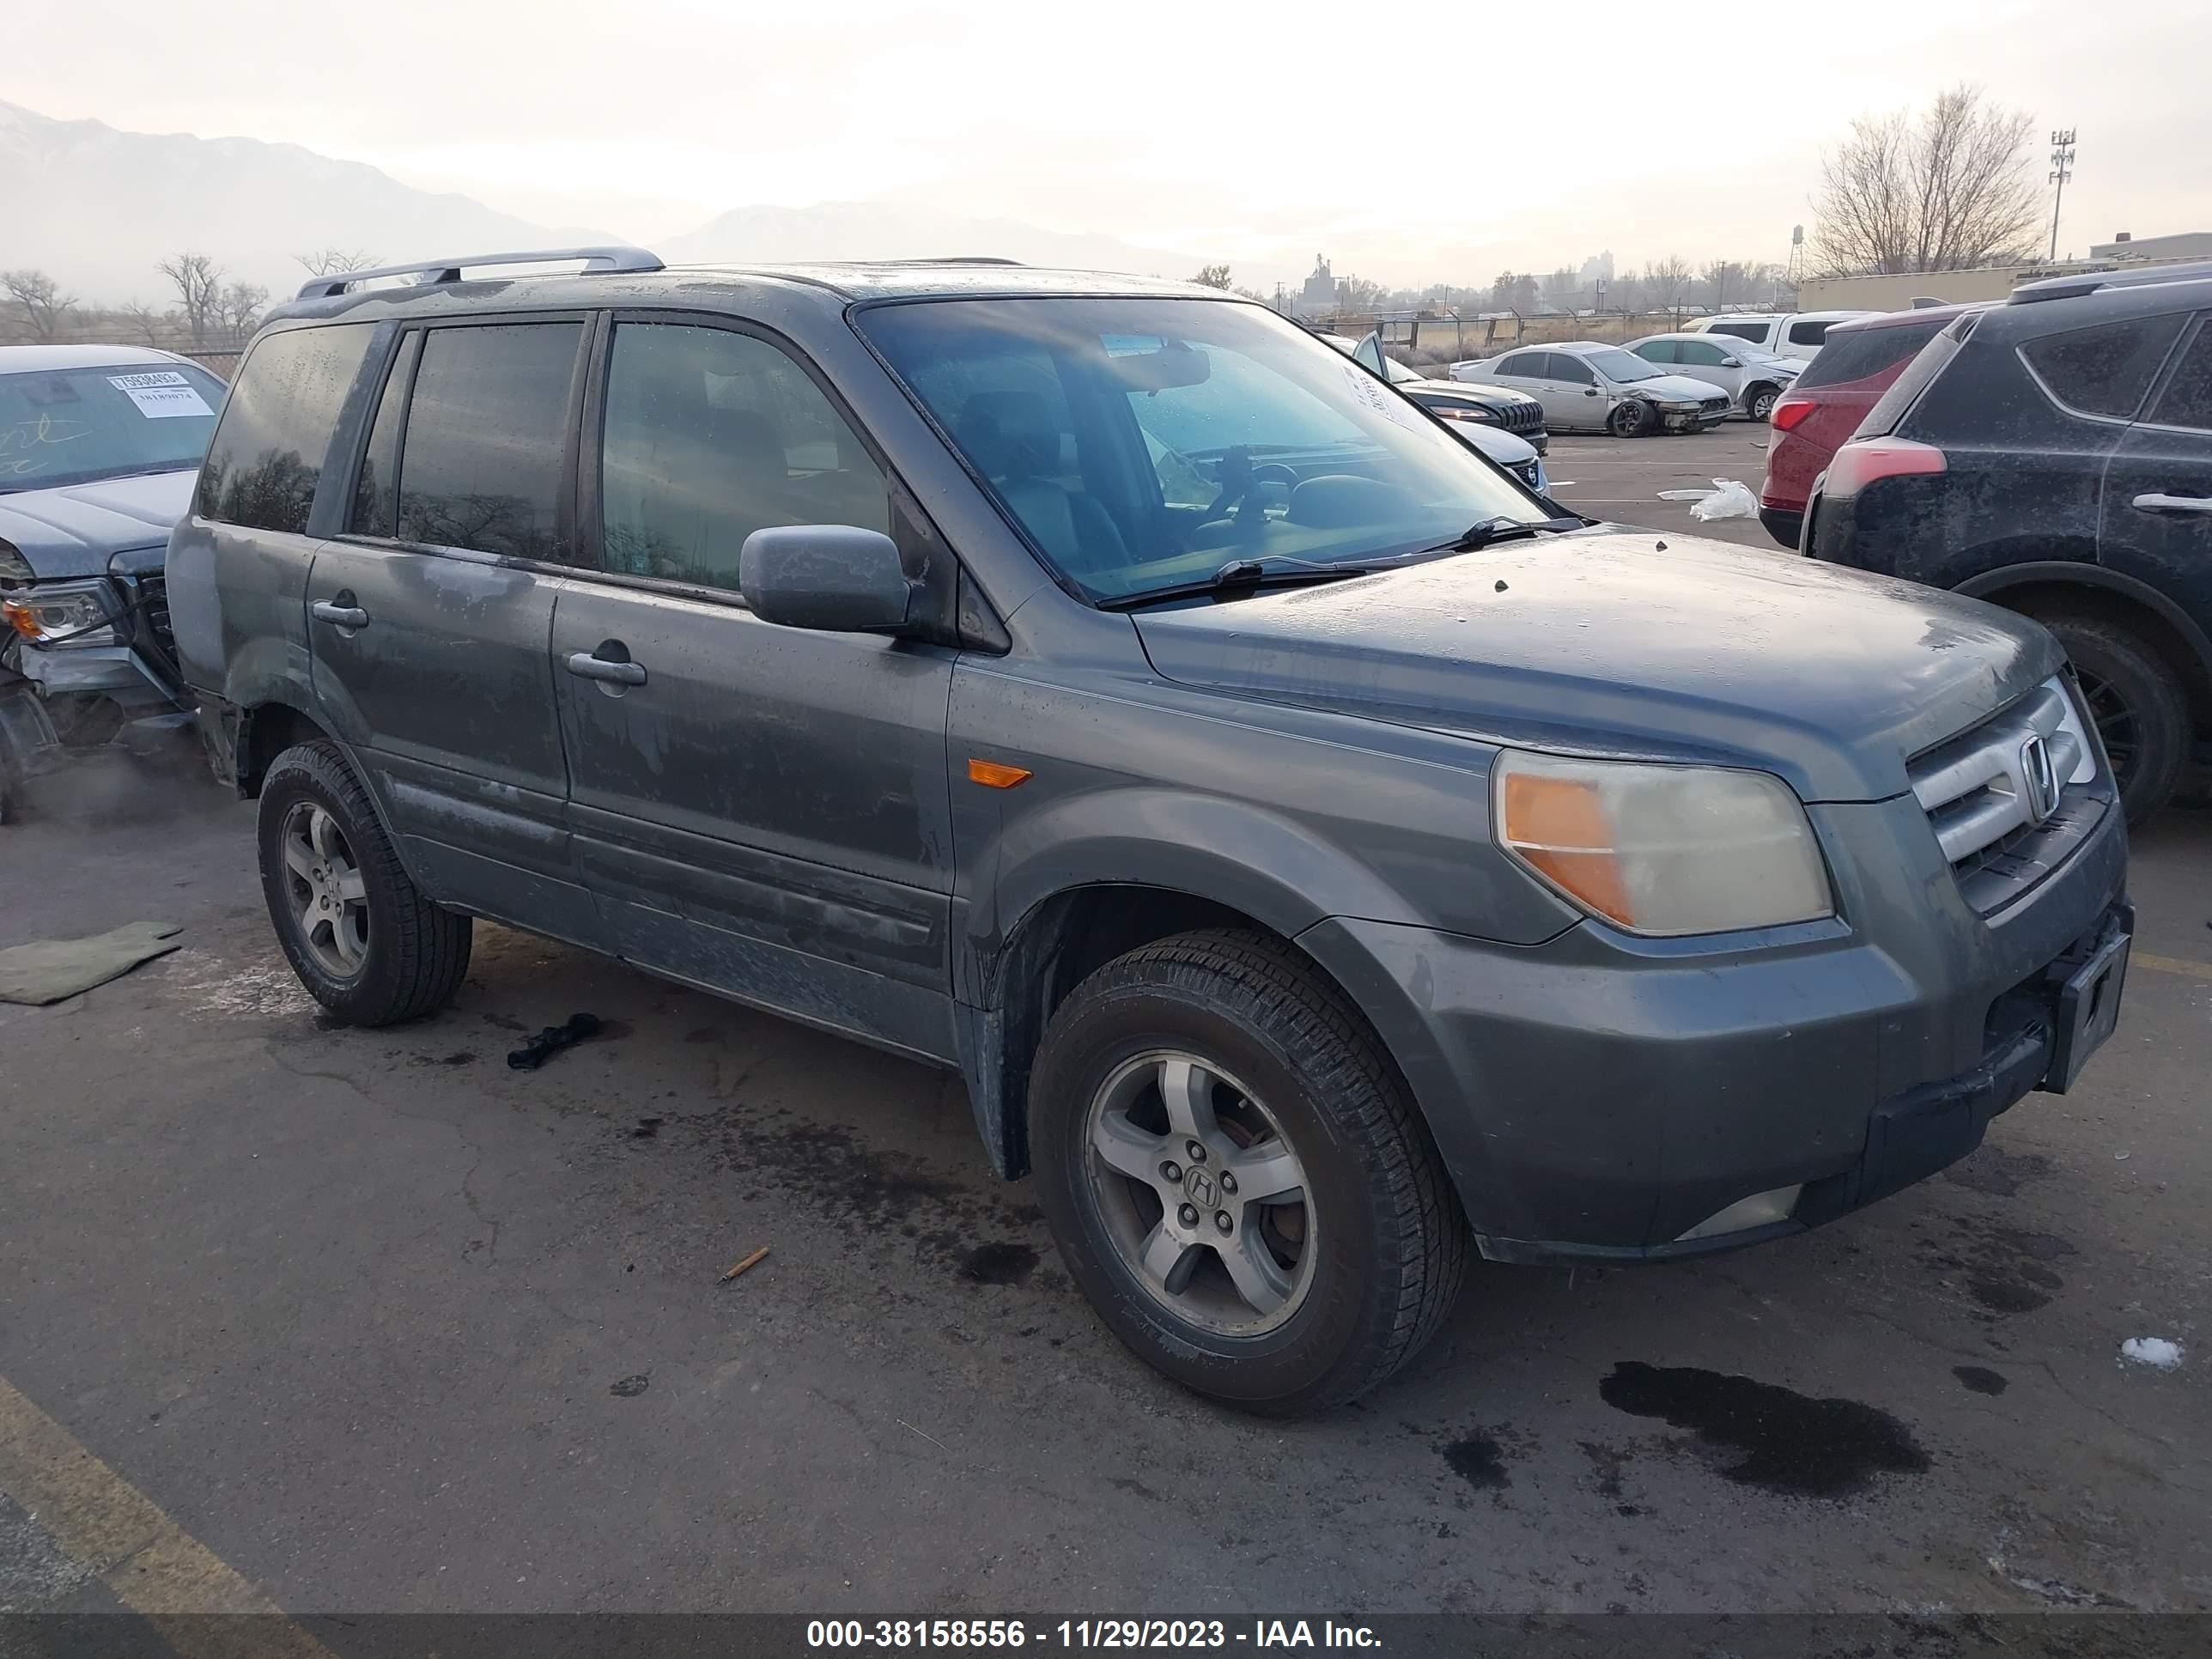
{"x":2104,"y":370}
{"x":269,"y":451}
{"x":2187,"y":399}
{"x":482,"y":463}
{"x":711,"y":435}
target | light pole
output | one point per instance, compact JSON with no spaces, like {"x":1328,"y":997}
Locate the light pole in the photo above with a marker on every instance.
{"x":2062,"y":169}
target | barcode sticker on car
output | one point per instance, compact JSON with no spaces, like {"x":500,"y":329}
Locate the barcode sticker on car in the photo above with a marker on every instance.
{"x":161,"y":394}
{"x":1371,"y":393}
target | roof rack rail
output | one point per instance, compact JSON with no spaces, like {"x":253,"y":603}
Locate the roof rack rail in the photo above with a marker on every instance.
{"x":617,"y":257}
{"x":955,"y":259}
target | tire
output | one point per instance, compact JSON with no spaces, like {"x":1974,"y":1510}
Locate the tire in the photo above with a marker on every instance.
{"x":1378,"y":1247}
{"x":2138,"y":705}
{"x":1630,"y":419}
{"x":370,"y":949}
{"x":1759,"y":405}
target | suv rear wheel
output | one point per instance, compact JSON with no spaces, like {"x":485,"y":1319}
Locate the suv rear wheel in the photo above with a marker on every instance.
{"x":2137,"y":704}
{"x":1236,"y":1178}
{"x":365,"y":943}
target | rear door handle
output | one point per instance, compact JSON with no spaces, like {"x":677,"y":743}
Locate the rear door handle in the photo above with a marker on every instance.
{"x":584,"y":666}
{"x":2156,"y":504}
{"x":344,"y":616}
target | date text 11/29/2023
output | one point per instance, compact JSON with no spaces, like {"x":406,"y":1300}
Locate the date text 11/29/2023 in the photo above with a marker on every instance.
{"x":1124,"y":1633}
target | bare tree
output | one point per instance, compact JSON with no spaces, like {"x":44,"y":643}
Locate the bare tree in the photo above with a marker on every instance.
{"x":330,"y":261}
{"x":1359,"y":294}
{"x":1947,"y":191}
{"x":238,"y":308}
{"x":1212,"y":277}
{"x":199,"y":282}
{"x":1664,"y":280}
{"x":40,"y":298}
{"x":145,"y":321}
{"x":1726,"y":277}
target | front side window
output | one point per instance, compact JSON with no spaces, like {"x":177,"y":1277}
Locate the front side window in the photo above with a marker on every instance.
{"x":480,"y":464}
{"x":2104,"y":370}
{"x":1141,"y":444}
{"x":1701,"y":354}
{"x":711,"y":435}
{"x":77,"y":426}
{"x":2187,"y":399}
{"x":263,"y":466}
{"x":1561,"y":366}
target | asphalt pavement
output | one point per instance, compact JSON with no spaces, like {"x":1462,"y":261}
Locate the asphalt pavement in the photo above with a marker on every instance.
{"x":323,"y":1319}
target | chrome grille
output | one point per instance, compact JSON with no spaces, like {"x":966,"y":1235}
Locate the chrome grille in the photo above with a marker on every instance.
{"x":1980,"y":789}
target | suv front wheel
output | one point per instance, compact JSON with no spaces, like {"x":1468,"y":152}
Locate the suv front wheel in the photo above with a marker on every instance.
{"x":1235,"y":1177}
{"x":2139,"y":709}
{"x":364,"y":942}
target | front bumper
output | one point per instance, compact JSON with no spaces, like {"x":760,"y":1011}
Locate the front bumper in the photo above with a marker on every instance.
{"x":1598,"y":1097}
{"x":114,"y":672}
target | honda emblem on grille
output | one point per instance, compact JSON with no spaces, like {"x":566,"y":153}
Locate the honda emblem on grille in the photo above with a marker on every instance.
{"x":2038,"y":778}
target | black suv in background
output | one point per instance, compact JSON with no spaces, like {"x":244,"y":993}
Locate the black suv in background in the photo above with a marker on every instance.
{"x":2054,"y":455}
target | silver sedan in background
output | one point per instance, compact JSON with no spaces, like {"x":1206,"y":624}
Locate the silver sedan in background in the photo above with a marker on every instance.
{"x":1751,"y":376}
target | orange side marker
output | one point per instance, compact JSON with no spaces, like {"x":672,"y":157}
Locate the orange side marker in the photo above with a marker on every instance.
{"x":993,"y":775}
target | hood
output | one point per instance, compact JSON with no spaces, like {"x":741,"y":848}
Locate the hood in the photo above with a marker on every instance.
{"x":1500,"y":445}
{"x":1474,"y":391}
{"x":1675,"y":388}
{"x":1620,"y":643}
{"x":74,"y":530}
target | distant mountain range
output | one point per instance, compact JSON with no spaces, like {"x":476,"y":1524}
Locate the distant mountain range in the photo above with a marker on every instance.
{"x":98,"y":208}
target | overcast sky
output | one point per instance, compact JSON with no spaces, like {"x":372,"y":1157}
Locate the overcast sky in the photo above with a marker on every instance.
{"x":1411,"y":142}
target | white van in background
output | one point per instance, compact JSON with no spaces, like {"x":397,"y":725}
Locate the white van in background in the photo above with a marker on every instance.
{"x":1795,"y":334}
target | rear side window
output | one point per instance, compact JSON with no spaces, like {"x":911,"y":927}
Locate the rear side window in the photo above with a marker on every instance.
{"x":1860,"y":353}
{"x":711,"y":435}
{"x":1807,"y":332}
{"x":268,"y":453}
{"x":1529,"y":364}
{"x":2104,"y":370}
{"x":1754,"y":332}
{"x":480,"y":462}
{"x":2187,"y":399}
{"x":1660,"y":352}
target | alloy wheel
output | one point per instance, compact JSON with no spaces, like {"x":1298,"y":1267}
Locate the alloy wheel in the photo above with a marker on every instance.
{"x":330,"y":900}
{"x":1201,"y":1192}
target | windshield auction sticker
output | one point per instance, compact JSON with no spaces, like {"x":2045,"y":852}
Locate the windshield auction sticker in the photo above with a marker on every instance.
{"x":161,"y":394}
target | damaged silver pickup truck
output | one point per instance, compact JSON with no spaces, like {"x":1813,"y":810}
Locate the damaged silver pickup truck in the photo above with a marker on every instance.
{"x":99,"y":448}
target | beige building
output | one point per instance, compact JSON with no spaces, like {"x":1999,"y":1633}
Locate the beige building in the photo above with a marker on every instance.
{"x":1988,"y":282}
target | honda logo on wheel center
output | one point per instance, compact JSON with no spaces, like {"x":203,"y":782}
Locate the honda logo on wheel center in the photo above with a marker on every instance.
{"x":1198,"y":1186}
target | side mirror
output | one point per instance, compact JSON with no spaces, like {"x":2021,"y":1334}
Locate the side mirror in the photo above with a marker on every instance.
{"x":828,"y":576}
{"x":1731,"y":362}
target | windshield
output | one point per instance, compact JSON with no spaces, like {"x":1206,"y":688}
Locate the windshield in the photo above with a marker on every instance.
{"x":1619,"y":365}
{"x":74,"y":426}
{"x":1142,"y":443}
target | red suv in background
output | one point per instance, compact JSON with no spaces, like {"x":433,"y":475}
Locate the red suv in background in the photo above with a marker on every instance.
{"x":1811,"y":420}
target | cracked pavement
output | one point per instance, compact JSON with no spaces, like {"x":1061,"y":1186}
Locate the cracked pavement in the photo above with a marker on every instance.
{"x":387,"y":1326}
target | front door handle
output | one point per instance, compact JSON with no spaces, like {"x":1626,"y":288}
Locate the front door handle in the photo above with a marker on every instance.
{"x":344,"y":616}
{"x":584,"y":666}
{"x":2157,"y":503}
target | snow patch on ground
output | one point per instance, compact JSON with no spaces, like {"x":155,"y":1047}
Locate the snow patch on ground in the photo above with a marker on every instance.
{"x":267,"y":989}
{"x":2157,"y":1350}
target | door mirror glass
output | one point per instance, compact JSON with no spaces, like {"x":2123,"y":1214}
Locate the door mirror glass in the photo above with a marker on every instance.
{"x":831,"y":576}
{"x":1731,"y":362}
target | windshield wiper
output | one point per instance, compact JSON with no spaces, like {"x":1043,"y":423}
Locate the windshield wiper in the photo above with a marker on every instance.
{"x":1482,"y":532}
{"x":1242,"y":576}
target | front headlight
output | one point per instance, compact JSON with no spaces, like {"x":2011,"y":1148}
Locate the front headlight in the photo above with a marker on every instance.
{"x":1466,"y":412}
{"x":43,"y":614}
{"x":1679,"y":406}
{"x":1663,"y":850}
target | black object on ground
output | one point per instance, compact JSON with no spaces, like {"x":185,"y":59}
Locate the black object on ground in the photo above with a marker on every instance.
{"x":552,"y":1040}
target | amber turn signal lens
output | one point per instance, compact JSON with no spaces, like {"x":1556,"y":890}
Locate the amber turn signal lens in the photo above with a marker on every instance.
{"x":993,"y":775}
{"x":1558,"y":827}
{"x":19,"y":617}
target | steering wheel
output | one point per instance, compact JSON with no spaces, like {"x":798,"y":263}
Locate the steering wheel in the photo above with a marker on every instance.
{"x":1240,"y":481}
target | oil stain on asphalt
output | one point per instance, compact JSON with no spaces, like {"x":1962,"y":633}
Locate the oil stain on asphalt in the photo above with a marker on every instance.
{"x":999,"y":1264}
{"x":1791,"y":1443}
{"x":1478,"y":1459}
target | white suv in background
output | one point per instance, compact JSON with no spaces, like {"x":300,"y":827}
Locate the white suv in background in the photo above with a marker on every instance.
{"x":1796,"y":334}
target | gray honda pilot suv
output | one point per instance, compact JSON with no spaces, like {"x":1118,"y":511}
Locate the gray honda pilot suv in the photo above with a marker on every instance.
{"x":1314,"y":853}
